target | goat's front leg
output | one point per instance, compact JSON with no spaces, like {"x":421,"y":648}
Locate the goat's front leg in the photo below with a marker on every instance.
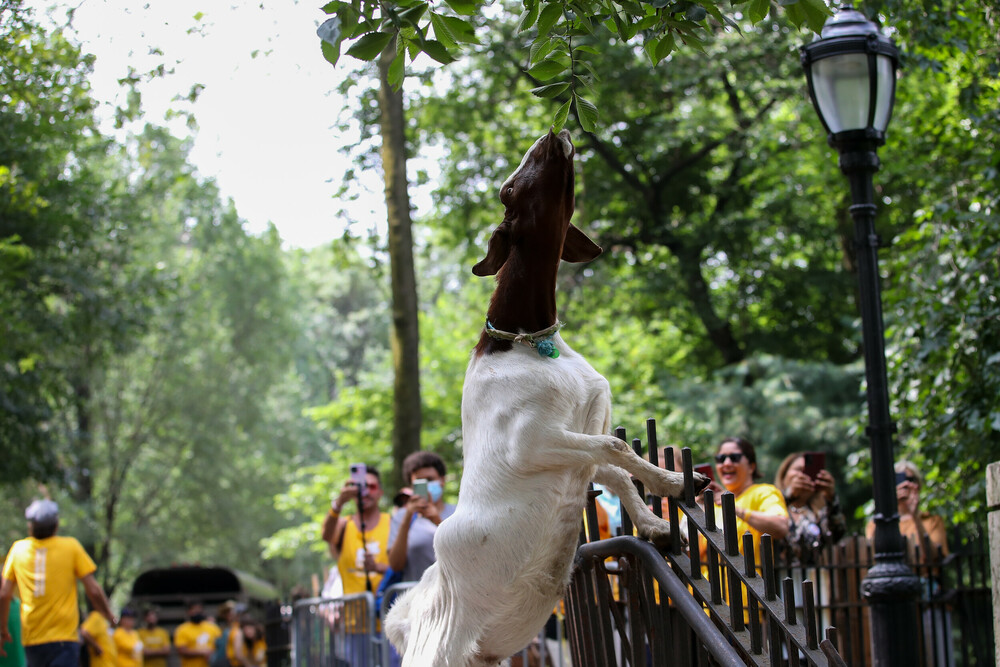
{"x":647,"y":524}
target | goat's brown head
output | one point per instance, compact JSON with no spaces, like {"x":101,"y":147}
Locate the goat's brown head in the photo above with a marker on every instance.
{"x":539,"y":200}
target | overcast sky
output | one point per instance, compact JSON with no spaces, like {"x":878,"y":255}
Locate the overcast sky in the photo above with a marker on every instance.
{"x":266,"y":111}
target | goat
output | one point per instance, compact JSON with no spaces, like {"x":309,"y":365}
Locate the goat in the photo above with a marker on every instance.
{"x":535,"y":423}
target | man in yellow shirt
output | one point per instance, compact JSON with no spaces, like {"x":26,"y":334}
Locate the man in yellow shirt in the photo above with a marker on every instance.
{"x":155,"y":641}
{"x":96,"y":633}
{"x":45,"y":569}
{"x":195,"y":638}
{"x":127,"y":641}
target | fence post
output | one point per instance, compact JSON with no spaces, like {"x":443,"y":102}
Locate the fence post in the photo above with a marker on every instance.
{"x":993,"y":509}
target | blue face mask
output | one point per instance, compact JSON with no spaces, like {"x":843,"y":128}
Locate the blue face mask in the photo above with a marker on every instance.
{"x":435,"y":490}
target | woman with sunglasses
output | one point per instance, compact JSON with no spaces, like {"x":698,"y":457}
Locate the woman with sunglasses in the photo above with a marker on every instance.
{"x":760,"y":508}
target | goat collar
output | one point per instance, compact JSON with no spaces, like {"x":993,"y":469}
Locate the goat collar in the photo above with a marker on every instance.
{"x":540,"y":340}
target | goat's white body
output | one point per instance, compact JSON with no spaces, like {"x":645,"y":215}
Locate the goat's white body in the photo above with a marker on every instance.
{"x":535,"y":432}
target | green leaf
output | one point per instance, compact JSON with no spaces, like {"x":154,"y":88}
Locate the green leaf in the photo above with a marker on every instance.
{"x":649,"y":46}
{"x":696,"y":13}
{"x":466,"y":7}
{"x":413,"y":15}
{"x":550,"y":90}
{"x":370,"y":45}
{"x":437,"y":51}
{"x":396,"y":69}
{"x":442,"y":32}
{"x":330,"y":52}
{"x":559,"y":120}
{"x":540,"y":49}
{"x":528,"y":18}
{"x":461,"y":30}
{"x":549,"y":68}
{"x":663,"y":49}
{"x":758,"y":9}
{"x":587,"y":113}
{"x":548,"y":18}
{"x":808,"y":12}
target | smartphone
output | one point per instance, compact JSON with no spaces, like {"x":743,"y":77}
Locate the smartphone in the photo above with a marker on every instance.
{"x":706,"y":469}
{"x":359,"y":477}
{"x":814,"y":462}
{"x":900,"y":477}
{"x":420,"y":488}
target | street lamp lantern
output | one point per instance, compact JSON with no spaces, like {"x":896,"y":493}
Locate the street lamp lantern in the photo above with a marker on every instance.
{"x":851,"y":72}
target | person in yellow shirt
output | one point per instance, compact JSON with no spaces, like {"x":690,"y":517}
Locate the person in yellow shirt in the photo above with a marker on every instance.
{"x":155,"y":641}
{"x":195,"y":638}
{"x":253,"y":639}
{"x":128,"y":644}
{"x":96,"y":633}
{"x":360,"y":545}
{"x":44,"y":568}
{"x":760,"y":508}
{"x":361,"y":561}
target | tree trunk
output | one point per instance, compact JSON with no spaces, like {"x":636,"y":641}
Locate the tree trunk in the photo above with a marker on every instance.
{"x":405,"y":334}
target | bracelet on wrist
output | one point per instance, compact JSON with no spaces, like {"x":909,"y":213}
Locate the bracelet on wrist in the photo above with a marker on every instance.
{"x":334,"y":511}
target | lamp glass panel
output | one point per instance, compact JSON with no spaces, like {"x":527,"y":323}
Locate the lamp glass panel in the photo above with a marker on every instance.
{"x":883,"y":98}
{"x":841,"y":86}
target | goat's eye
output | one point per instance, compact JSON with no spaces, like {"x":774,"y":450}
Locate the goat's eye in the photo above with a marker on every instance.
{"x":510,"y":191}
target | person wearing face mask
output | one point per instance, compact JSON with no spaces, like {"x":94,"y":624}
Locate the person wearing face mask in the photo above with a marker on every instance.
{"x":411,"y":534}
{"x":195,"y":638}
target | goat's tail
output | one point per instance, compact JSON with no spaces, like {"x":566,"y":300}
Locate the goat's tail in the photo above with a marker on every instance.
{"x":427,"y":627}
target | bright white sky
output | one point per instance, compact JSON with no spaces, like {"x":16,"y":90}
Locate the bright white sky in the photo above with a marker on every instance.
{"x":264,"y":123}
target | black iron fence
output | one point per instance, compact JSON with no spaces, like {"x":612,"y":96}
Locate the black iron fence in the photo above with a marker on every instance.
{"x":631,"y":604}
{"x":955,"y":606}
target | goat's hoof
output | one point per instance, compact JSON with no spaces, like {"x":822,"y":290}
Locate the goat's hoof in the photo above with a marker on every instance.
{"x":659,"y":535}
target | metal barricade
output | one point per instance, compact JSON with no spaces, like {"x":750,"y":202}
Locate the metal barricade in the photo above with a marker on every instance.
{"x":390,"y":657}
{"x":335,"y":632}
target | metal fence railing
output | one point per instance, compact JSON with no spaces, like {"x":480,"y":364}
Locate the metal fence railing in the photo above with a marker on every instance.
{"x":955,"y":607}
{"x":342,"y":632}
{"x":335,"y":632}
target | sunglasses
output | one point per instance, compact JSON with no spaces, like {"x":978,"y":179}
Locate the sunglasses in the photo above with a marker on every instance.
{"x":371,"y":487}
{"x":735,"y":457}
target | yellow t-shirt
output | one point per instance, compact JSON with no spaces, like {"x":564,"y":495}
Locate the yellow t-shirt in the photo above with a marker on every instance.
{"x":352,"y":554}
{"x":199,"y":636}
{"x":764,"y":498}
{"x":154,"y":639}
{"x":258,"y":653}
{"x":98,"y":627}
{"x":129,"y":647}
{"x":45,"y":572}
{"x":234,"y":641}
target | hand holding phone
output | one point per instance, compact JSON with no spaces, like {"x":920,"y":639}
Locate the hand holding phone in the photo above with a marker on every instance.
{"x":420,"y":488}
{"x":359,"y":477}
{"x":814,"y":462}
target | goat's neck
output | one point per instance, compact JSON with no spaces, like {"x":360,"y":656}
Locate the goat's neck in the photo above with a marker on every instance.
{"x":524,"y":301}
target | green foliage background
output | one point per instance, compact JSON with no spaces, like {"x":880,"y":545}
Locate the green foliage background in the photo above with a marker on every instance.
{"x":191,"y":392}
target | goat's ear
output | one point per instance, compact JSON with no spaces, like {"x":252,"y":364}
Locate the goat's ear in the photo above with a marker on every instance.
{"x":496,"y":252}
{"x":578,"y":247}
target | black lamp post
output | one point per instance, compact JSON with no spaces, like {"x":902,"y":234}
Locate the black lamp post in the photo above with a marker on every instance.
{"x":851,"y":71}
